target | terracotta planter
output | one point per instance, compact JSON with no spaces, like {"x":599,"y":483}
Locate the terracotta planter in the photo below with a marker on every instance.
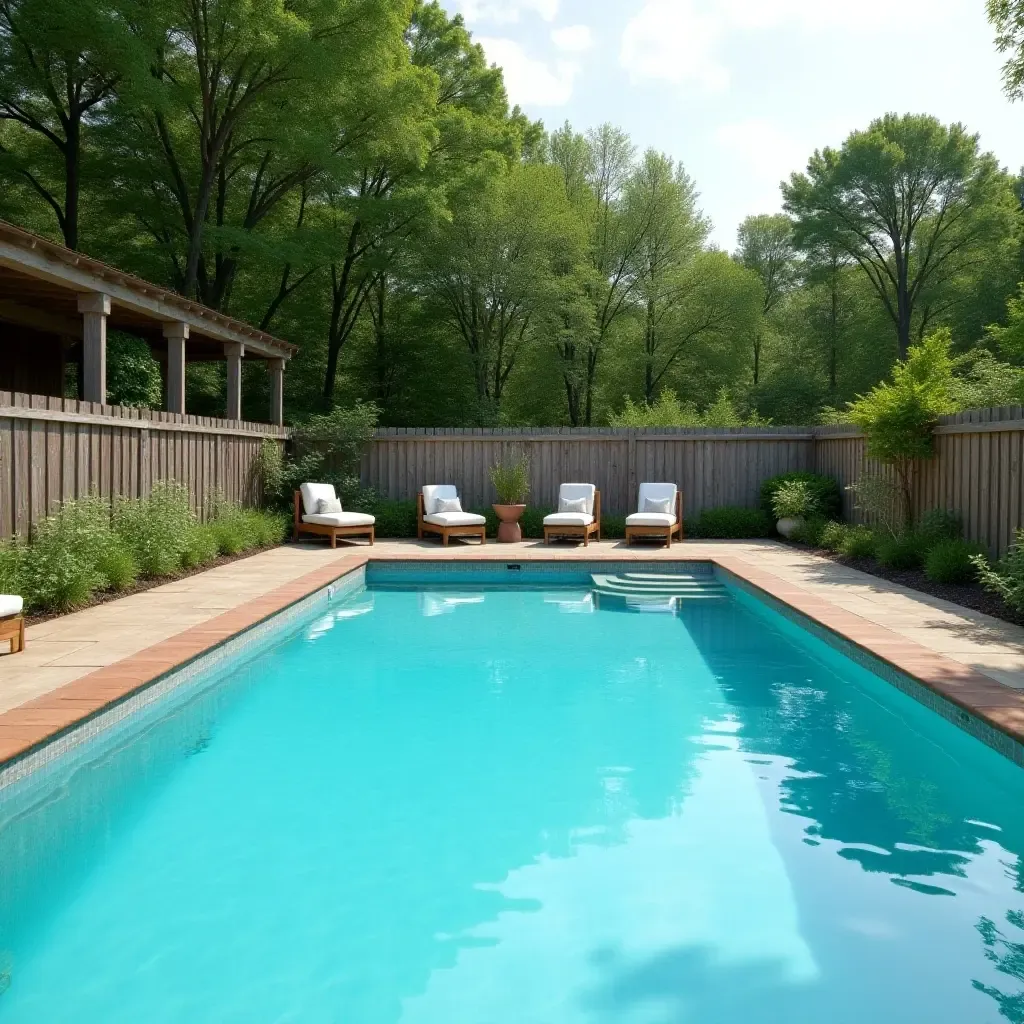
{"x":508,"y":525}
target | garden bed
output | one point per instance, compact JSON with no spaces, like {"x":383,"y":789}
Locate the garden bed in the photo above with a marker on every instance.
{"x":967,"y":595}
{"x":141,"y":586}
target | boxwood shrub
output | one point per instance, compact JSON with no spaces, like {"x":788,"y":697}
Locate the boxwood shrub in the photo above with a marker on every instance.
{"x":730,"y":522}
{"x":824,"y":488}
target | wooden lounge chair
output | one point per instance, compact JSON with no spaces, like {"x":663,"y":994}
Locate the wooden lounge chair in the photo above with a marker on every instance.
{"x":12,"y":621}
{"x":570,"y":521}
{"x":309,"y":520}
{"x":650,"y":522}
{"x":430,"y":519}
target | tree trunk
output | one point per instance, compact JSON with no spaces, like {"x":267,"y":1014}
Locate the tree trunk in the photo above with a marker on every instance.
{"x":649,"y":349}
{"x":72,"y":180}
{"x":757,"y":358}
{"x":833,"y":333}
{"x":904,"y":310}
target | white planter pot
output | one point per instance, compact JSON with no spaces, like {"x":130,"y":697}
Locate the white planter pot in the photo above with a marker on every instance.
{"x":787,"y":527}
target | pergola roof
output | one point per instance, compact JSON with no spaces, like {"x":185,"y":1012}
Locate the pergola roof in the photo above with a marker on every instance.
{"x":40,"y":283}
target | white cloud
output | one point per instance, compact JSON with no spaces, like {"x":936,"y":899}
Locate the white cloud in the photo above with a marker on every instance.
{"x":681,"y":41}
{"x":573,"y":38}
{"x":669,"y":40}
{"x":528,"y":80}
{"x":505,"y":11}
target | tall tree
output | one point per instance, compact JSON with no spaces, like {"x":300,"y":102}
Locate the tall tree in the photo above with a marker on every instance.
{"x":499,"y":267}
{"x":254,"y":101}
{"x":905,"y":198}
{"x":765,"y":246}
{"x":60,"y":64}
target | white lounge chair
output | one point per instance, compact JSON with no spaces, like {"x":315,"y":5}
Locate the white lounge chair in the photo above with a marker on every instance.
{"x":312,"y":502}
{"x":433,"y":517}
{"x":12,"y":621}
{"x":578,"y":516}
{"x":659,"y":514}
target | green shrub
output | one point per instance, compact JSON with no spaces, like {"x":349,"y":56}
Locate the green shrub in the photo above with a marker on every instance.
{"x":117,"y":566}
{"x":201,"y":548}
{"x":732,"y":523}
{"x":1007,"y":577}
{"x":810,"y":531}
{"x":157,"y":528}
{"x":532,"y":522}
{"x":56,"y":576}
{"x":394,"y":518}
{"x":825,"y":489}
{"x":859,"y":542}
{"x":939,"y":524}
{"x":952,"y":561}
{"x":794,"y":499}
{"x":906,"y":551}
{"x":833,"y":536}
{"x":12,"y":568}
{"x":612,"y":527}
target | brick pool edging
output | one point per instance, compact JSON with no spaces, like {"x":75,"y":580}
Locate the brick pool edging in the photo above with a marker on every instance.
{"x":27,"y":728}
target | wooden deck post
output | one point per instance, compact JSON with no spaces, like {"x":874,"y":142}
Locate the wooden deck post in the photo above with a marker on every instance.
{"x":234,"y":355}
{"x":95,"y":308}
{"x":276,"y":391}
{"x":176,"y":335}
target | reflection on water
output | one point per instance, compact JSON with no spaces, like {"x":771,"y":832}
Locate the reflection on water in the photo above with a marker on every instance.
{"x":433,"y":808}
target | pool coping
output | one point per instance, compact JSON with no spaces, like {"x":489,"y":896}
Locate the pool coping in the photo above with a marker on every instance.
{"x":995,"y":713}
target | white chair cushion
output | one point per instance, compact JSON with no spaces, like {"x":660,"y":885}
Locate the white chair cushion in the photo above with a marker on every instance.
{"x":340,"y":519}
{"x":11,"y":604}
{"x":431,"y":492}
{"x":573,"y":492}
{"x":663,"y":506}
{"x":455,"y":519}
{"x":328,"y":506}
{"x":568,"y":519}
{"x":312,"y":493}
{"x":656,"y":492}
{"x":447,"y":505}
{"x":650,"y":519}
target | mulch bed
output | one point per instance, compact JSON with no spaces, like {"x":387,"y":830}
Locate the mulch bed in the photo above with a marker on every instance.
{"x":969,"y":595}
{"x":140,"y":587}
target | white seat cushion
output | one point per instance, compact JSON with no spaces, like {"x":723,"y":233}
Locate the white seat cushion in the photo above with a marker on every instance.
{"x":340,"y":519}
{"x":312,"y":493}
{"x":11,"y":604}
{"x":455,"y":519}
{"x":431,"y":492}
{"x":650,"y":519}
{"x":656,"y":492}
{"x":568,"y":519}
{"x":573,"y":492}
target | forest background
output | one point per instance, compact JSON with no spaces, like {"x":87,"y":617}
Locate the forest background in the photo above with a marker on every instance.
{"x":349,"y":175}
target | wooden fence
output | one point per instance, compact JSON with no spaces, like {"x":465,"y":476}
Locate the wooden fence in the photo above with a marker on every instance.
{"x":722,"y":466}
{"x":977,"y":469}
{"x":53,"y":449}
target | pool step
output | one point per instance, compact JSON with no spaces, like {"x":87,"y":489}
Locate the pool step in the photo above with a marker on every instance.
{"x":655,"y":586}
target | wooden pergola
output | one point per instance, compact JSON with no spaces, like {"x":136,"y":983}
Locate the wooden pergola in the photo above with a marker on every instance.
{"x":57,"y":305}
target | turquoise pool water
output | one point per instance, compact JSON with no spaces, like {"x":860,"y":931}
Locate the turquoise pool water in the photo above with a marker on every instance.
{"x":474,"y":805}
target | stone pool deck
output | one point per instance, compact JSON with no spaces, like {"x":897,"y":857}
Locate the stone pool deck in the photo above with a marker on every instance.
{"x":76,"y":665}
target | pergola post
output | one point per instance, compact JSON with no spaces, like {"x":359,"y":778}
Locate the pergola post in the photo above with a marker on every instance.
{"x":95,"y":308}
{"x":234,"y":353}
{"x":176,"y":335}
{"x":276,"y":391}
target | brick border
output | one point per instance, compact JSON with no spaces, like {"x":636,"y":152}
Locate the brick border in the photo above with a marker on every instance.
{"x":29,"y":726}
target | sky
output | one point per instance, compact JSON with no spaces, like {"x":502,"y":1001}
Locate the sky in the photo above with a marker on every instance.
{"x":744,"y":91}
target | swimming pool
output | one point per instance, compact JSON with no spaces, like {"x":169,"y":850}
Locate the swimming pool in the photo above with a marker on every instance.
{"x":439,"y":799}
